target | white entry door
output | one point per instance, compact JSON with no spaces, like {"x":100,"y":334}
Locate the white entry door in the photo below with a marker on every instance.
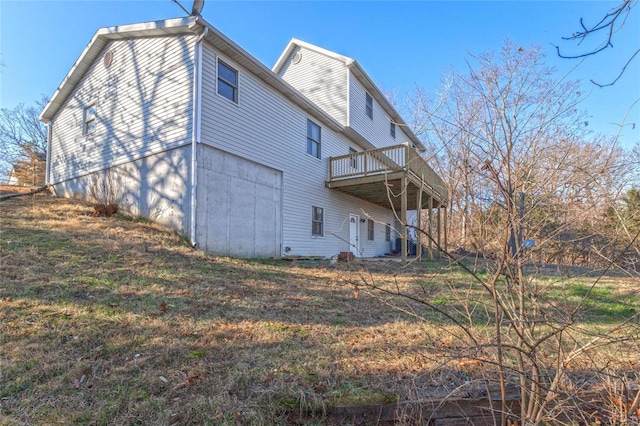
{"x":354,"y":234}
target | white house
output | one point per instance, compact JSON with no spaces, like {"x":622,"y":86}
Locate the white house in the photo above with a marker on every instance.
{"x":307,"y":159}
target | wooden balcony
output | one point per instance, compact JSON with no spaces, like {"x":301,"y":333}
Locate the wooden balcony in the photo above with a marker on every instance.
{"x":376,"y":176}
{"x":395,"y":177}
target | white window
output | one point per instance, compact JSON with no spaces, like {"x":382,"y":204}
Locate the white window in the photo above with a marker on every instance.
{"x":89,"y":120}
{"x":317,"y":221}
{"x":227,"y":82}
{"x":370,"y":229}
{"x":392,"y":129}
{"x":369,"y":106}
{"x":313,"y":139}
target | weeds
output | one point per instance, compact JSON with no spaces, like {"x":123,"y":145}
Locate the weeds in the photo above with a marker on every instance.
{"x":121,"y":322}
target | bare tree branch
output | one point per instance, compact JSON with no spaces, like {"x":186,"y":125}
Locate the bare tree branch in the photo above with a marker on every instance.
{"x":610,"y":23}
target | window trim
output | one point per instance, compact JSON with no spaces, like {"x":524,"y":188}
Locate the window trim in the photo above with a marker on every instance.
{"x":387,"y":233}
{"x":371,"y":230}
{"x":392,"y":129}
{"x":369,"y":105}
{"x":219,"y":79}
{"x":314,"y":220}
{"x":310,"y":140}
{"x":87,"y":121}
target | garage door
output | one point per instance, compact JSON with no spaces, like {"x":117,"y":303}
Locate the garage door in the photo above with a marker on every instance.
{"x":239,"y":206}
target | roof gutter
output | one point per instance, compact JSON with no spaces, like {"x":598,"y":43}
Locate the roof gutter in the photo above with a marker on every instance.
{"x":196,"y":131}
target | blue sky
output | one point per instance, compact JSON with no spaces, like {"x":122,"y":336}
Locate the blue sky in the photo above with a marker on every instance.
{"x":401,"y":45}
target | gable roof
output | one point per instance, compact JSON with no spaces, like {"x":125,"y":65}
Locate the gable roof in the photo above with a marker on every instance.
{"x":190,"y":25}
{"x":94,"y":48}
{"x":360,"y":74}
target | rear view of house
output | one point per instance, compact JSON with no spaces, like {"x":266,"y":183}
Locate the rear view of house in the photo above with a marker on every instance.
{"x":307,"y":159}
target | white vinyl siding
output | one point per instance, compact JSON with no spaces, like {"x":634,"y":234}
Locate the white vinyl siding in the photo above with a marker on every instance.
{"x":266,"y":128}
{"x":143,"y":105}
{"x":321,"y":79}
{"x":375,"y":130}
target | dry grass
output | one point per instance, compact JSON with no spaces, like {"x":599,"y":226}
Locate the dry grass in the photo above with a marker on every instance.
{"x":119,"y":321}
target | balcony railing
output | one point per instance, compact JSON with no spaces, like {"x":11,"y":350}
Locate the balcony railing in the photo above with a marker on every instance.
{"x":385,"y":160}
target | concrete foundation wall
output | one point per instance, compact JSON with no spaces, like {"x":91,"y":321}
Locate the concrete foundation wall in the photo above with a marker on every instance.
{"x":156,"y":187}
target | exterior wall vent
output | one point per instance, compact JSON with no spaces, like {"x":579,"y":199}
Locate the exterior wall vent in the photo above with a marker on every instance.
{"x":297,"y":57}
{"x":108,"y":59}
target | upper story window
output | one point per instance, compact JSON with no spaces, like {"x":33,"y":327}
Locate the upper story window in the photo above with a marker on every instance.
{"x":227,"y":82}
{"x":370,"y":229}
{"x":313,"y":139}
{"x":317,"y":221}
{"x":392,"y":129}
{"x":89,"y":120}
{"x":369,"y":106}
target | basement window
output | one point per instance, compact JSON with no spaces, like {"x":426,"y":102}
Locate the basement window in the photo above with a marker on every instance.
{"x":89,"y":120}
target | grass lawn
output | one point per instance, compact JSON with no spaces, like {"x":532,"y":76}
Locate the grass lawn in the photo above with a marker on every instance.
{"x":119,"y":321}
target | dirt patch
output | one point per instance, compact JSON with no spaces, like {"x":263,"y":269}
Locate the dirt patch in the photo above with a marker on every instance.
{"x":15,"y":189}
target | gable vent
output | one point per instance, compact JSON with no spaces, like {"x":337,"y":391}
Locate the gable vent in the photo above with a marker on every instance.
{"x":297,"y":57}
{"x":108,"y":59}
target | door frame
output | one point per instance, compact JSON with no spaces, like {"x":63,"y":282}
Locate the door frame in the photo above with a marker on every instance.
{"x":354,"y":248}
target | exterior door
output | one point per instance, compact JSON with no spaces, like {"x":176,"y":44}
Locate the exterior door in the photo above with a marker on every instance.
{"x":354,"y":234}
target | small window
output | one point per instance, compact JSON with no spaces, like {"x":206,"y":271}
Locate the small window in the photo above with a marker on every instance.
{"x":369,"y":106}
{"x":89,"y":120}
{"x":392,"y":129}
{"x":227,"y":82}
{"x":313,"y":139}
{"x":354,"y":159}
{"x":387,"y":232}
{"x":370,"y":229}
{"x":317,"y":221}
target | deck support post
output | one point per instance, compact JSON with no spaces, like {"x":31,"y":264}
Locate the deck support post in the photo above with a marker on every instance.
{"x":430,"y":227}
{"x":439,"y":229}
{"x":403,"y":217}
{"x":419,"y":221}
{"x":446,"y":248}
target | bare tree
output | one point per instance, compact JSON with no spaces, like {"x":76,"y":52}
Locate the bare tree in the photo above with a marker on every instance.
{"x":509,"y":139}
{"x":22,"y":136}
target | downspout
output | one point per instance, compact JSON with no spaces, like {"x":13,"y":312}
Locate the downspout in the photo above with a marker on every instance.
{"x":195,"y":130}
{"x":49,"y":127}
